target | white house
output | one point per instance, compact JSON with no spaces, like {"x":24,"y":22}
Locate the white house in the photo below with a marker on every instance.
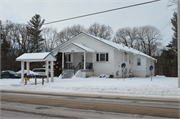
{"x":87,"y":55}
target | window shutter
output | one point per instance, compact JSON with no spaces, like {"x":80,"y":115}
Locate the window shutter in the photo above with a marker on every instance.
{"x":106,"y":56}
{"x":97,"y":57}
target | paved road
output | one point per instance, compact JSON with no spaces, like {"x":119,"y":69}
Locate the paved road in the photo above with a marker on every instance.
{"x":14,"y":110}
{"x":153,"y":107}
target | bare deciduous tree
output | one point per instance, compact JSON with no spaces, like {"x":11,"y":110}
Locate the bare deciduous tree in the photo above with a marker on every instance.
{"x":172,"y":3}
{"x":127,"y":36}
{"x":101,"y":31}
{"x":17,"y":36}
{"x":50,"y":36}
{"x":145,"y":38}
{"x":150,"y":39}
{"x":69,"y":32}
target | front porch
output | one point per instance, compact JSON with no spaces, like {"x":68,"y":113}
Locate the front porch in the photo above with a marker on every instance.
{"x":78,"y":58}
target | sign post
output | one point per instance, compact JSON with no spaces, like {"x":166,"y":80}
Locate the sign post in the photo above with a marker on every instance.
{"x":123,"y":65}
{"x":151,"y":68}
{"x":130,"y":73}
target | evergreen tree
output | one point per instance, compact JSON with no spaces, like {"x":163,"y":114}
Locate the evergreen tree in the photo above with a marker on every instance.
{"x":173,"y":43}
{"x":34,"y":31}
{"x":169,"y":54}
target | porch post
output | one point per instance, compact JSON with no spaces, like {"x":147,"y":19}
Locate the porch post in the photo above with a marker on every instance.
{"x":27,"y":67}
{"x":47,"y":72}
{"x":62,"y":60}
{"x":84,"y":60}
{"x":52,"y":73}
{"x":22,"y":71}
{"x":72,"y":58}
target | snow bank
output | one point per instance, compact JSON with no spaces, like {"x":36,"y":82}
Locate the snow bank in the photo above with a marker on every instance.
{"x":158,"y":87}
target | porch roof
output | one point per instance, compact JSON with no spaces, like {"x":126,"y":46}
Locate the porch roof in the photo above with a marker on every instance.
{"x":36,"y":57}
{"x":82,"y":47}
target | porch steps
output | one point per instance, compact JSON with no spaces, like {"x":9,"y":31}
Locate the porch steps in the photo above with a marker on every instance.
{"x":68,"y":74}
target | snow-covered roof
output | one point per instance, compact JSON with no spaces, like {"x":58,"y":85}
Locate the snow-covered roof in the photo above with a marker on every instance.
{"x":79,"y":46}
{"x":112,"y":44}
{"x":120,"y":46}
{"x":33,"y":57}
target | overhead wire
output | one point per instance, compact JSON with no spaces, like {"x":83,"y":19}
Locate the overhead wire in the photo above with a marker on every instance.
{"x":164,"y":24}
{"x":101,"y":12}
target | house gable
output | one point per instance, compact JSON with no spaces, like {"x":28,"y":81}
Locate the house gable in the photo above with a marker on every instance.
{"x":87,"y":41}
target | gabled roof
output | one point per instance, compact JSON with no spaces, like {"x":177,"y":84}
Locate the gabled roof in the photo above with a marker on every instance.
{"x":33,"y":57}
{"x":79,"y":46}
{"x":111,"y":44}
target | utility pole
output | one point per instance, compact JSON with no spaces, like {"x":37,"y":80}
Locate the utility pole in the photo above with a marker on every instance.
{"x":178,"y":42}
{"x":0,"y":48}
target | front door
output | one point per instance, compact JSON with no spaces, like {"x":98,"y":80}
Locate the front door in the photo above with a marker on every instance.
{"x":82,"y":61}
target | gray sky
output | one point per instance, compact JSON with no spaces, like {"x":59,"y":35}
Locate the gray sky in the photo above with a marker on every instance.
{"x":156,"y":14}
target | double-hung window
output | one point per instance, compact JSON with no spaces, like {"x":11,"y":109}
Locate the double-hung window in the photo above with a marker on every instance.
{"x":100,"y":57}
{"x":138,"y":61}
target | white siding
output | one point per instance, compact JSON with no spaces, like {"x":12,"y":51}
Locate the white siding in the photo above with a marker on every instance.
{"x":119,"y":60}
{"x":99,"y":47}
{"x":149,"y":62}
{"x":139,"y":71}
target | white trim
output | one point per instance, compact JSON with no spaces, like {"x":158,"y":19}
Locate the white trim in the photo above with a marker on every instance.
{"x":52,"y":72}
{"x":47,"y":71}
{"x":22,"y":71}
{"x":62,"y":60}
{"x":27,"y":67}
{"x":84,"y":60}
{"x":36,"y":57}
{"x":84,"y":48}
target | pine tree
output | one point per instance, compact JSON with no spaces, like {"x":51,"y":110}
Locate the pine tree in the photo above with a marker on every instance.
{"x":34,"y":31}
{"x":173,"y":43}
{"x":169,"y":55}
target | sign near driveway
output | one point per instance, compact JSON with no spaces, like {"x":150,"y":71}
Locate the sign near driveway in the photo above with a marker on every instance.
{"x":151,"y":68}
{"x":123,"y":65}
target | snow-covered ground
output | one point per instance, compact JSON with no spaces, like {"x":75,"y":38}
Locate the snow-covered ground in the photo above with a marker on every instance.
{"x":158,"y":87}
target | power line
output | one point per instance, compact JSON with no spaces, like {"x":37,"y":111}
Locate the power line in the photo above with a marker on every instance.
{"x":164,"y":24}
{"x":101,"y":12}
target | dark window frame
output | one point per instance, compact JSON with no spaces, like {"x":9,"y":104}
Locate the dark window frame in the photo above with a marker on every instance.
{"x":98,"y":57}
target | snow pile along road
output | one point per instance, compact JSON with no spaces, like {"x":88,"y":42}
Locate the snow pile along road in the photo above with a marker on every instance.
{"x":158,"y":87}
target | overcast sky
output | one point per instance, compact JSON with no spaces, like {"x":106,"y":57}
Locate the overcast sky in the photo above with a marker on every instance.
{"x":156,"y":14}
